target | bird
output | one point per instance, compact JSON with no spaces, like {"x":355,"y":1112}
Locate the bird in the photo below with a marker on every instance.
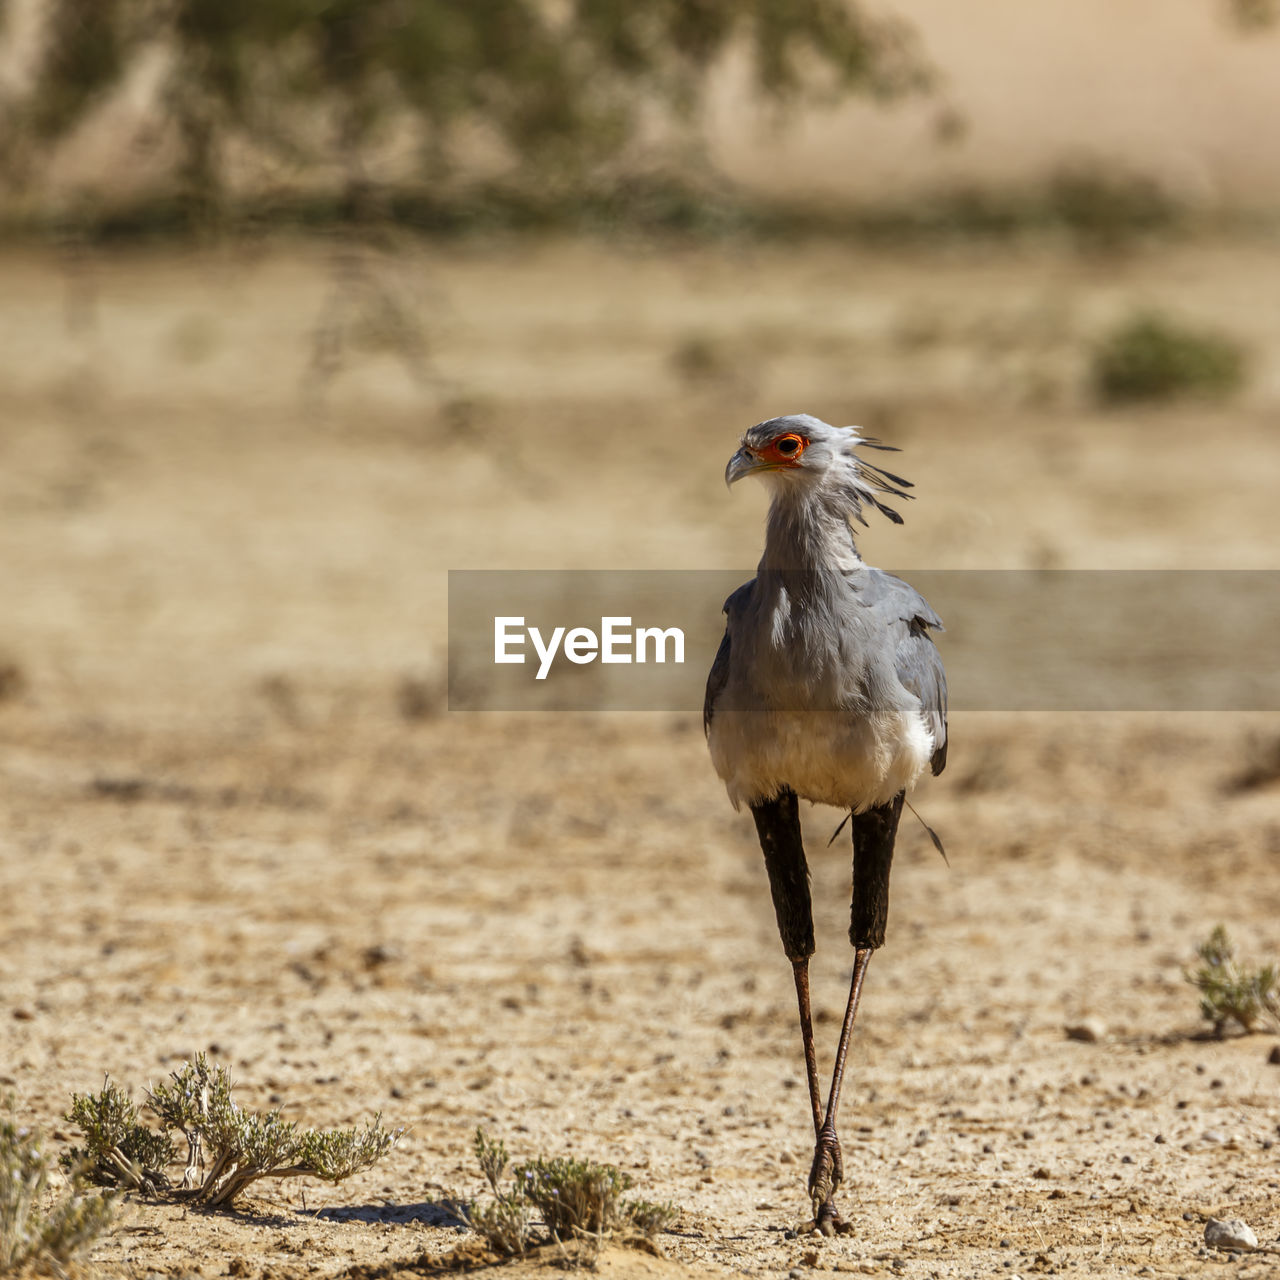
{"x":826,"y":687}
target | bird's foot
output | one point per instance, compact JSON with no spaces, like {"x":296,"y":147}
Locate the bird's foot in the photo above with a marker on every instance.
{"x":827,"y":1222}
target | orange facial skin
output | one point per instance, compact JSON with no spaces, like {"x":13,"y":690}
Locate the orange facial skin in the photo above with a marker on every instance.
{"x":784,"y":452}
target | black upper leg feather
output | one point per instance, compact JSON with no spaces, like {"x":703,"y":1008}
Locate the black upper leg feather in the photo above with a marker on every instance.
{"x":873,"y":835}
{"x":778,"y":825}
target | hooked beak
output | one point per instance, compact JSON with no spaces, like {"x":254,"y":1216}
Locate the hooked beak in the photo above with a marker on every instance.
{"x":743,"y":463}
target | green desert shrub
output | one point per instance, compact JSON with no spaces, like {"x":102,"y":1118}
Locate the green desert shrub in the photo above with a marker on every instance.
{"x":1151,"y":357}
{"x":576,"y":1198}
{"x":228,"y":1148}
{"x":1231,"y":992}
{"x":41,"y":1231}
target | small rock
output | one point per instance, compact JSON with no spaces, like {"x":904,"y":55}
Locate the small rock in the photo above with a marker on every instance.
{"x":785,"y":1157}
{"x":1213,"y":1137}
{"x":922,"y":1136}
{"x":1091,"y":1031}
{"x":1229,"y":1233}
{"x":23,"y":1015}
{"x":1274,"y":1056}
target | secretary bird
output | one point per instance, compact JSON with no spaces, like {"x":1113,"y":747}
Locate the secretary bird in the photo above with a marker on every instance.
{"x":826,"y":687}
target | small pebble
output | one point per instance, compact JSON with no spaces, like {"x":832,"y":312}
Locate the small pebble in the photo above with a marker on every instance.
{"x":1229,"y":1233}
{"x":1274,"y":1056}
{"x":1090,"y":1031}
{"x":785,"y":1157}
{"x":1212,"y":1136}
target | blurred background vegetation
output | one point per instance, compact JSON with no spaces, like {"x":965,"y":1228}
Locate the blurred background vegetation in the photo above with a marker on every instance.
{"x":128,"y":116}
{"x":424,"y":109}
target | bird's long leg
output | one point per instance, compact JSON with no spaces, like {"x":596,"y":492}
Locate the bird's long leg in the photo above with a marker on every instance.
{"x":800,"y":968}
{"x":829,"y":1212}
{"x":778,"y":825}
{"x":827,"y":1171}
{"x":873,"y":837}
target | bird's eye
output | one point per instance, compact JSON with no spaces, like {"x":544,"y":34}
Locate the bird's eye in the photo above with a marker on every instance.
{"x":789,"y":446}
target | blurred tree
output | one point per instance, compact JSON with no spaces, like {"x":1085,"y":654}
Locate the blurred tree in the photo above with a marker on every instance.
{"x":1254,"y":15}
{"x":553,"y":86}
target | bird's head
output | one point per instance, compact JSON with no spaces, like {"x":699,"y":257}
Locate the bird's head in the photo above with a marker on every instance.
{"x":801,"y":457}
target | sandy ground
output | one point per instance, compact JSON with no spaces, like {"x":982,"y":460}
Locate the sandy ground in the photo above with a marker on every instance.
{"x":237,"y":817}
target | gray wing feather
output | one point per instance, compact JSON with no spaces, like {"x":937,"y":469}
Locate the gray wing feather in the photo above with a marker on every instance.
{"x":917,"y":661}
{"x":718,"y":676}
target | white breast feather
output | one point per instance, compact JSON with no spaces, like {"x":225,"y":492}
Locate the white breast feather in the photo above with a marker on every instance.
{"x":829,"y":757}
